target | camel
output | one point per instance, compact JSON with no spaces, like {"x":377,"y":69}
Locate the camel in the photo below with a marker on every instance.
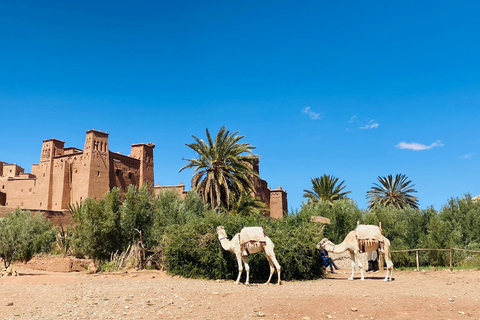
{"x":356,"y":245}
{"x":249,"y":248}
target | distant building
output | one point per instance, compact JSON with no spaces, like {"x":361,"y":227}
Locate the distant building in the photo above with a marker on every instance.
{"x":67,"y":175}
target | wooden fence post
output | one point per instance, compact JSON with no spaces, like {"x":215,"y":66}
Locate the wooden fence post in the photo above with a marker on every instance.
{"x":416,"y":256}
{"x":451,"y":266}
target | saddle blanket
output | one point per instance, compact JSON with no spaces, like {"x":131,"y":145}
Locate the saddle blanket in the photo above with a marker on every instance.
{"x":370,"y":232}
{"x":249,"y":234}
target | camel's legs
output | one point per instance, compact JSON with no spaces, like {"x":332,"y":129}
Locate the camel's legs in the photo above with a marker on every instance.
{"x":272,"y":259}
{"x":240,"y":267}
{"x":352,"y":256}
{"x":247,"y":268}
{"x":389,"y":268}
{"x":272,"y":269}
{"x":360,"y":266}
{"x":277,"y":266}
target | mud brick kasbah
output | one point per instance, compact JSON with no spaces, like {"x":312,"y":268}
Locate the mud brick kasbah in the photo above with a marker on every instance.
{"x":67,"y":175}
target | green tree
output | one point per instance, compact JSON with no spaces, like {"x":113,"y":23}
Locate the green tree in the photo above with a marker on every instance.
{"x":98,"y":231}
{"x":22,"y":235}
{"x":137,"y":214}
{"x":394,"y":191}
{"x":223,"y":169}
{"x":326,"y":188}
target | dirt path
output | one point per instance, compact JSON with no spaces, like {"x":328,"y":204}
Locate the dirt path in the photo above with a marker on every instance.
{"x":154,"y":295}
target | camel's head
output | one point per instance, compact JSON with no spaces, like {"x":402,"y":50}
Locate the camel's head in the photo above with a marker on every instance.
{"x":321,"y":244}
{"x":221,"y":232}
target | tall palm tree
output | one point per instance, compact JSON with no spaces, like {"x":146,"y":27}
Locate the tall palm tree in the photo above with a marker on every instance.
{"x":392,"y":190}
{"x":223,"y":169}
{"x":325,"y":188}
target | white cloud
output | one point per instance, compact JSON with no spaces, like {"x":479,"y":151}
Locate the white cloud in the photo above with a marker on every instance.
{"x":466,"y":156}
{"x":370,"y":125}
{"x":418,"y":146}
{"x":311,"y":114}
{"x":352,"y":119}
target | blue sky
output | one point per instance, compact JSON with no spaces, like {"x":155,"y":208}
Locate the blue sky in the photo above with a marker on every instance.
{"x":352,"y":89}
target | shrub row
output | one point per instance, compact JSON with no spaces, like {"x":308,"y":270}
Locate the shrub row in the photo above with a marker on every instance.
{"x":182,"y":233}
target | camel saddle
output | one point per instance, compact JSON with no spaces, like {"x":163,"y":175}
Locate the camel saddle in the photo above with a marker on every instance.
{"x":368,"y":235}
{"x":251,"y":234}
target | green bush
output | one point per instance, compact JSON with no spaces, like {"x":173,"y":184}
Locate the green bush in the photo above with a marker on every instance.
{"x":97,"y":232}
{"x":23,"y":235}
{"x":193,"y":249}
{"x":182,"y":232}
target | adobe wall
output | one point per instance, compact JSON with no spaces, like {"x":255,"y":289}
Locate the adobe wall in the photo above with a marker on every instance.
{"x":11,"y":170}
{"x":180,"y":189}
{"x":125,"y":171}
{"x":21,"y":193}
{"x":57,"y":218}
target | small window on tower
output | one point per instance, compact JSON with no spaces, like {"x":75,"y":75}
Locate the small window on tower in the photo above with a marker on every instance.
{"x":98,"y":173}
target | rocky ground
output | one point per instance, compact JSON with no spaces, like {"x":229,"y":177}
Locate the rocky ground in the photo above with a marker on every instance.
{"x":37,"y":294}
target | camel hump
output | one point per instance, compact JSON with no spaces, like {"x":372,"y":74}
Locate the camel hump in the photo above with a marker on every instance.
{"x":370,"y":232}
{"x":249,"y":234}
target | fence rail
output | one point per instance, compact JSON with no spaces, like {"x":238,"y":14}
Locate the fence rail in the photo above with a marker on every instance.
{"x":450,"y":250}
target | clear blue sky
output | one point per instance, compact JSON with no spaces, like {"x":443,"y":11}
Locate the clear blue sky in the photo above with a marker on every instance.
{"x":352,"y":89}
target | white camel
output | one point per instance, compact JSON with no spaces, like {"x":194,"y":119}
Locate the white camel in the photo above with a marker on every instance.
{"x":352,"y":244}
{"x":250,"y":248}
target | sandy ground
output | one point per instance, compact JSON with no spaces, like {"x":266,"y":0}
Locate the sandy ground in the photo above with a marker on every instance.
{"x":155,"y":295}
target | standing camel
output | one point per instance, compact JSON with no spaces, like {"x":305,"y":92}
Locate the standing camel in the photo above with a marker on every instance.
{"x":371,"y":240}
{"x":241,"y":252}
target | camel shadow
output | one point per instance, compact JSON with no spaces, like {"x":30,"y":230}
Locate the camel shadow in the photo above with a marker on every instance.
{"x":358,"y":279}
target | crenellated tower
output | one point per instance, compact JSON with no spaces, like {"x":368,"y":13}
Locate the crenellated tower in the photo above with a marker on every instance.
{"x":96,"y":161}
{"x":50,"y":149}
{"x":144,"y":153}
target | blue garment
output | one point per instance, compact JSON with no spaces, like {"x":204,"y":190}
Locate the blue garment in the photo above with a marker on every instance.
{"x":325,"y":258}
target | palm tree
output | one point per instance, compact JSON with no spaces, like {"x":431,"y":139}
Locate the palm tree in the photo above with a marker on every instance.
{"x":223,"y":169}
{"x":246,"y":204}
{"x":395,"y":191}
{"x":325,"y":188}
